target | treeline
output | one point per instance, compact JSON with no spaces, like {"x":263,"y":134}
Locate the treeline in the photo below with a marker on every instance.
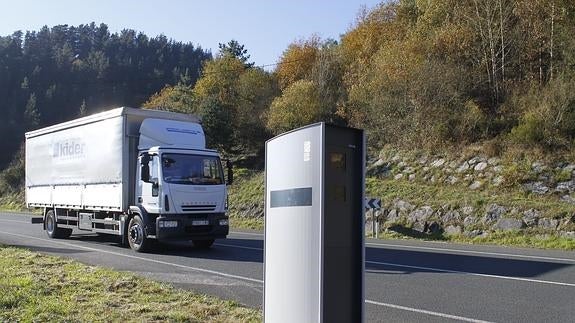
{"x":415,"y":74}
{"x":59,"y":73}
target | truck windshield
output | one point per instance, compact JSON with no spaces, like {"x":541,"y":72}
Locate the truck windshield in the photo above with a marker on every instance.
{"x":192,"y":169}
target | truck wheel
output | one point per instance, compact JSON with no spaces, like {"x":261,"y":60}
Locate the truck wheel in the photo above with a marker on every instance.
{"x":136,"y":235}
{"x":203,"y":244}
{"x":52,"y":228}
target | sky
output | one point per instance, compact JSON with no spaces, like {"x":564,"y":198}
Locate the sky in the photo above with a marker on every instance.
{"x":265,"y":28}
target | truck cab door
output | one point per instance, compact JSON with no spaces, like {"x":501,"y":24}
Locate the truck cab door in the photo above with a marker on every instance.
{"x":149,"y":196}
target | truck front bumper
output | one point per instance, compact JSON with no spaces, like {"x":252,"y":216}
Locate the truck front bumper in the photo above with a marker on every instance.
{"x":192,"y":227}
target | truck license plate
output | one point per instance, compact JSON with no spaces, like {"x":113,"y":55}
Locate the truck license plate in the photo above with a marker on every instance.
{"x":200,"y":222}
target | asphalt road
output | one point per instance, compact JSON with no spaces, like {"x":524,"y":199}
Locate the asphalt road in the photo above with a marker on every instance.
{"x":406,"y":281}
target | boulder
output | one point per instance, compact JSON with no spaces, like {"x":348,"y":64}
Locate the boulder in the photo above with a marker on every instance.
{"x":480,"y":167}
{"x":467,"y":210}
{"x":451,"y":180}
{"x":568,"y":199}
{"x":508,"y":224}
{"x":398,"y":177}
{"x":498,"y":169}
{"x":493,"y":161}
{"x":497,"y":180}
{"x":451,"y":217}
{"x":568,"y":234}
{"x":531,"y":217}
{"x":472,"y":234}
{"x":538,"y":167}
{"x":420,"y":215}
{"x":453,"y":230}
{"x":469,"y":220}
{"x":493,"y":213}
{"x":411,"y":177}
{"x":463,"y":167}
{"x":549,"y":224}
{"x":564,"y":187}
{"x":403,"y":205}
{"x":393,"y":216}
{"x":438,"y":162}
{"x":536,"y":188}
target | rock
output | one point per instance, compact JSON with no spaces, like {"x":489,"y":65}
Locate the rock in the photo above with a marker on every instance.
{"x":531,"y":217}
{"x":425,"y":169}
{"x":467,"y":210}
{"x":422,"y":160}
{"x":569,"y":168}
{"x":568,"y":199}
{"x":480,"y":167}
{"x":493,"y":213}
{"x":393,"y":216}
{"x":568,"y":235}
{"x":411,"y":177}
{"x":498,"y":169}
{"x":409,"y":170}
{"x":433,"y":179}
{"x":493,"y":161}
{"x":546,"y":223}
{"x":473,"y":161}
{"x":401,"y":165}
{"x":396,"y":158}
{"x":420,"y":215}
{"x":452,"y":164}
{"x":470,"y":220}
{"x":451,"y":217}
{"x":468,"y":178}
{"x":497,"y":180}
{"x":508,"y":224}
{"x":538,"y":167}
{"x":451,"y":179}
{"x":403,"y":205}
{"x":536,"y":188}
{"x":463,"y":167}
{"x":398,"y":177}
{"x":453,"y":230}
{"x":438,"y":163}
{"x":475,"y":185}
{"x":378,"y":163}
{"x":568,"y":186}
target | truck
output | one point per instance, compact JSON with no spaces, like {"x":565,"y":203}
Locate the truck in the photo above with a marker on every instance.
{"x":143,"y":175}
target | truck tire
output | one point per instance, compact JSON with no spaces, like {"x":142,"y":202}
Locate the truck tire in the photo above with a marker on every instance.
{"x":52,"y":228}
{"x":203,"y":244}
{"x":137,"y":236}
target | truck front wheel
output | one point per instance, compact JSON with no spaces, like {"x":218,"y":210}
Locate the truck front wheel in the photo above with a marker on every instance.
{"x":137,"y":236}
{"x":52,"y":228}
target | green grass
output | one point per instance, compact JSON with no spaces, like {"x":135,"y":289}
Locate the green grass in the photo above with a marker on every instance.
{"x":38,"y":288}
{"x":12,"y":202}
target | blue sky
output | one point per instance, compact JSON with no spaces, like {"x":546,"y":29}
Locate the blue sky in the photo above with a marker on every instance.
{"x":264,"y":27}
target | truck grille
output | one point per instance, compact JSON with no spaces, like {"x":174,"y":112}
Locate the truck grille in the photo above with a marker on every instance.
{"x":198,"y":208}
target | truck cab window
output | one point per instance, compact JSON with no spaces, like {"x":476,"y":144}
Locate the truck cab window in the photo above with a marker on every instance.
{"x":192,"y":169}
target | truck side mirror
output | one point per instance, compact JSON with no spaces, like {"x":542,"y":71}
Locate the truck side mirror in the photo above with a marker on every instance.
{"x":145,"y":168}
{"x":230,"y":169}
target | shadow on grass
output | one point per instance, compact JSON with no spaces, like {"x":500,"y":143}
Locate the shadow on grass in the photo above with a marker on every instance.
{"x":409,"y":232}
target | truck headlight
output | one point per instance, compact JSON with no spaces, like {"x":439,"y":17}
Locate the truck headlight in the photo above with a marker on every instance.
{"x":224,"y":222}
{"x":168,"y":224}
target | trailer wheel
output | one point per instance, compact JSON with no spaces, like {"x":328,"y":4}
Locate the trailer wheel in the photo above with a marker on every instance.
{"x":203,"y":244}
{"x":52,"y":228}
{"x":137,"y":236}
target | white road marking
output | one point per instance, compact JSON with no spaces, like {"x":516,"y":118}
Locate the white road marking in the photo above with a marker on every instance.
{"x":487,"y":253}
{"x":473,"y":274}
{"x":405,"y":308}
{"x":236,"y":246}
{"x":416,"y":310}
{"x":15,"y":221}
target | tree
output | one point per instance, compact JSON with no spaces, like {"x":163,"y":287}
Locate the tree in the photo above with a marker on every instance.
{"x":298,"y":105}
{"x":297,"y":61}
{"x":177,"y":98}
{"x":31,"y":114}
{"x":235,"y":50}
{"x":217,"y":124}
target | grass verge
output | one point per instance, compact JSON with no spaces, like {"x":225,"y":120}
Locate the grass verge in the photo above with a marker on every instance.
{"x":38,"y":287}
